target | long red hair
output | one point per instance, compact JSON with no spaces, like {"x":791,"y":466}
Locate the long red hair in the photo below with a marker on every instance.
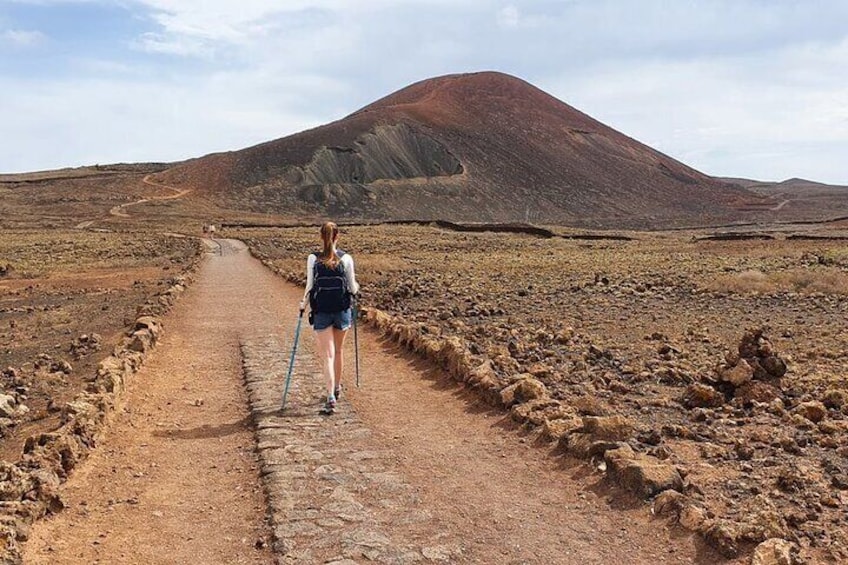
{"x":329,"y":235}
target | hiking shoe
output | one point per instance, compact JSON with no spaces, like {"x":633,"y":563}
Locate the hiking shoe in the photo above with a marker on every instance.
{"x":338,"y":392}
{"x":330,"y":406}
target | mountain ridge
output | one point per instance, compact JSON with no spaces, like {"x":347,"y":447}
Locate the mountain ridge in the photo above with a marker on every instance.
{"x":470,"y":147}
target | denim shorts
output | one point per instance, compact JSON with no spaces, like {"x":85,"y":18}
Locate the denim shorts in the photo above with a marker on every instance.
{"x":339,"y":320}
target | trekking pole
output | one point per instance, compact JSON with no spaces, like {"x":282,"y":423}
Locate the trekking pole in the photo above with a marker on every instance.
{"x":291,"y":360}
{"x":355,"y":341}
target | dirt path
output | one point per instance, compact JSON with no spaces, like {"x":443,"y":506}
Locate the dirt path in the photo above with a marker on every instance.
{"x":779,"y":206}
{"x":410,"y":470}
{"x":120,"y":210}
{"x":175,"y":479}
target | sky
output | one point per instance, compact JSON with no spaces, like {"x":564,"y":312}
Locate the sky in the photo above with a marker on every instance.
{"x":743,"y":88}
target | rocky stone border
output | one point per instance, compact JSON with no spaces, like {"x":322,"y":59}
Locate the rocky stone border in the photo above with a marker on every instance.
{"x":600,"y":439}
{"x":29,"y":489}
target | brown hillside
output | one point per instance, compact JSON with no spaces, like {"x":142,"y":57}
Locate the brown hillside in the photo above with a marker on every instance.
{"x":473,"y":147}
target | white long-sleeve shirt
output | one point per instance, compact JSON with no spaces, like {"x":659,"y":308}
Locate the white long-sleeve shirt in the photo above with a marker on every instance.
{"x":350,"y":275}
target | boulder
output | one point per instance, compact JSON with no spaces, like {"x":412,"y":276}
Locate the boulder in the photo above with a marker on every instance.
{"x":584,"y":446}
{"x":14,"y":482}
{"x":149,"y":323}
{"x":668,"y":503}
{"x":456,"y":358}
{"x":8,"y":406}
{"x":554,"y":429}
{"x":723,"y":536}
{"x":737,"y":375}
{"x":756,"y":391}
{"x":141,"y":341}
{"x":377,"y":317}
{"x":835,"y":398}
{"x":813,"y":411}
{"x":525,"y":389}
{"x":774,"y":551}
{"x":699,"y":395}
{"x":774,"y":366}
{"x":111,"y":364}
{"x":534,"y":411}
{"x":610,"y":428}
{"x":692,"y":517}
{"x":590,"y":406}
{"x":643,"y":475}
{"x":483,"y":377}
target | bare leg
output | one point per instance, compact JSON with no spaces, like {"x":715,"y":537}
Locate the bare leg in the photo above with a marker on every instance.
{"x":326,"y":352}
{"x":338,"y":343}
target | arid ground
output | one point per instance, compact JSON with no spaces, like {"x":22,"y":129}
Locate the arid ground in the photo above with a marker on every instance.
{"x":646,"y":328}
{"x":66,"y":297}
{"x":672,"y":395}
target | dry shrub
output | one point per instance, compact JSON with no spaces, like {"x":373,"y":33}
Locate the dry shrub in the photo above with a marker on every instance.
{"x":805,"y":281}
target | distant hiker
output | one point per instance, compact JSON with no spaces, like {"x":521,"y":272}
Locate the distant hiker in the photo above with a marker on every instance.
{"x":330,"y":283}
{"x":211,"y":229}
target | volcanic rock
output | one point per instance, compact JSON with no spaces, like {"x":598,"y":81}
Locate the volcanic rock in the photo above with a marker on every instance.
{"x":85,"y":345}
{"x":738,"y":374}
{"x":589,"y":406}
{"x":527,"y":388}
{"x":699,"y":395}
{"x":774,"y":366}
{"x":758,"y":351}
{"x":643,"y":475}
{"x":692,"y":517}
{"x":813,"y":410}
{"x":9,"y":407}
{"x":774,"y":551}
{"x":610,"y":428}
{"x":756,"y":391}
{"x":723,"y":535}
{"x":555,"y":429}
{"x":669,"y":502}
{"x":834,"y":398}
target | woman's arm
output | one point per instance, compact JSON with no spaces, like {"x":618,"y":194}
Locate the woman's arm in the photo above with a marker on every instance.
{"x":310,"y":274}
{"x":350,"y":274}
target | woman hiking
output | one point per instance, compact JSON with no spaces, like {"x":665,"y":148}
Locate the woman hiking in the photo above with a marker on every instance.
{"x":330,"y":284}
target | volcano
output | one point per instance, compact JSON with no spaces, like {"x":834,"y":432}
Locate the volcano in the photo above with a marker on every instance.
{"x":480,"y":147}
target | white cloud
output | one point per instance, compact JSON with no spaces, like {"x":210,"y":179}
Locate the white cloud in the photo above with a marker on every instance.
{"x":770,"y":118}
{"x":22,"y":38}
{"x":510,"y":17}
{"x":103,"y":120}
{"x":153,"y":42}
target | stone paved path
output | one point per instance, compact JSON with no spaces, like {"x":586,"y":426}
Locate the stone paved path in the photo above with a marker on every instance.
{"x":331,"y":487}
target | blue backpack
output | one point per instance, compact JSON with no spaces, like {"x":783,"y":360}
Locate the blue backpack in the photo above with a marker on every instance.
{"x":329,"y":287}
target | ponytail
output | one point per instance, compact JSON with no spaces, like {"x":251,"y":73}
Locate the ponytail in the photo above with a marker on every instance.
{"x":329,"y":234}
